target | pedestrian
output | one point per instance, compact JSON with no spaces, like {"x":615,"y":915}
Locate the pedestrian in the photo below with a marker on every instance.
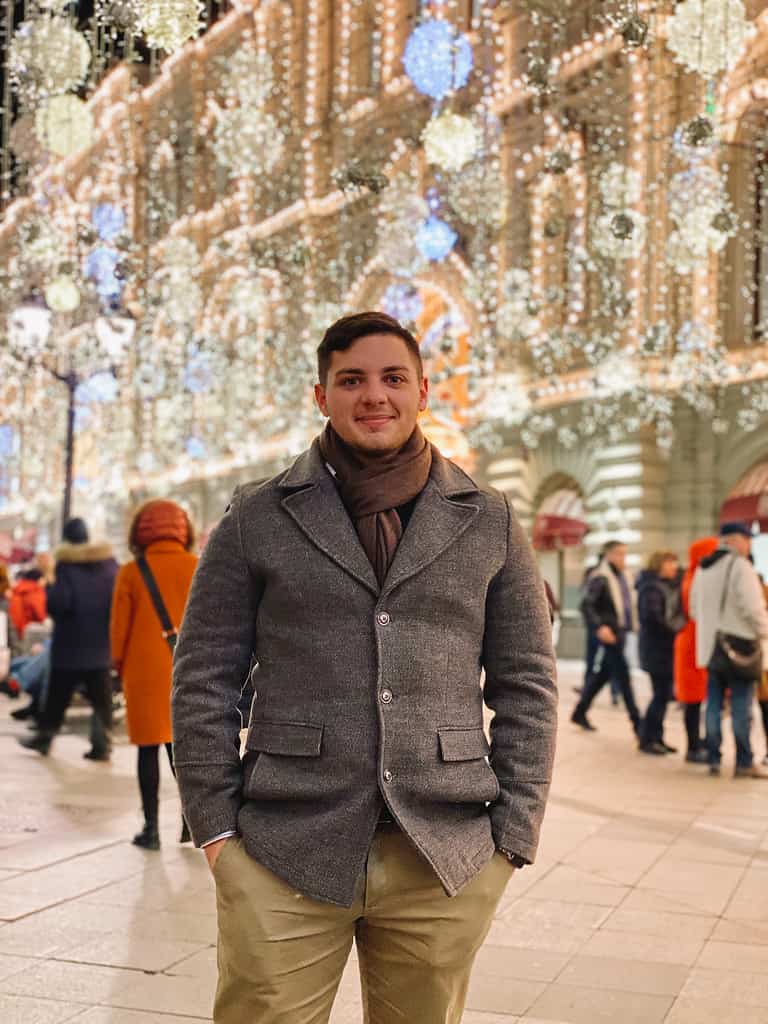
{"x":762,"y":686}
{"x":727,"y":604}
{"x":27,"y":602}
{"x":609,"y":607}
{"x":160,"y":537}
{"x":661,"y":618}
{"x":79,"y":600}
{"x":372,"y":581}
{"x":592,"y":643}
{"x":691,"y":681}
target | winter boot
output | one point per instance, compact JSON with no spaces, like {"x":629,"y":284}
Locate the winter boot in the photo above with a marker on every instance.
{"x":28,"y":711}
{"x":39,"y":741}
{"x":149,"y":837}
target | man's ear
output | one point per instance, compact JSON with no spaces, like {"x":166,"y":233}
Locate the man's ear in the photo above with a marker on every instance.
{"x":321,"y":399}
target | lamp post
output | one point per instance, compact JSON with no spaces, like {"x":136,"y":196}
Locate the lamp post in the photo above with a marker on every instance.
{"x":29,"y":338}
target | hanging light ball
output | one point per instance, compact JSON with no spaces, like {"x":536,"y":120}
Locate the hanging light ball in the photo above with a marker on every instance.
{"x":698,"y":131}
{"x":725,"y":222}
{"x":109,"y":220}
{"x":558,"y":162}
{"x":403,"y":302}
{"x":450,"y":141}
{"x":708,"y":36}
{"x":169,"y":24}
{"x":537,"y":74}
{"x":554,"y":227}
{"x":48,"y":55}
{"x":437,"y":58}
{"x":435,"y":239}
{"x":622,"y":226}
{"x":64,"y":125}
{"x":62,"y":295}
{"x":634,"y":31}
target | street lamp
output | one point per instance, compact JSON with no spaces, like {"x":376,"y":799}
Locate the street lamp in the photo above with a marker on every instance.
{"x":29,"y":336}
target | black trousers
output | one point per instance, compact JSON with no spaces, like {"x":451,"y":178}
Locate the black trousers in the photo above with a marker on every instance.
{"x":98,"y":689}
{"x":149,"y":779}
{"x":764,"y":713}
{"x":613,"y":666}
{"x":692,"y":715}
{"x":652,"y":730}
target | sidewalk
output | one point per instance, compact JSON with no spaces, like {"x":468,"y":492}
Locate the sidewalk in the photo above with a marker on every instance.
{"x":648,"y":903}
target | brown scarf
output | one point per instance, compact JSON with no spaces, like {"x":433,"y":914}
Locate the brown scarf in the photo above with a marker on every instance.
{"x":371,"y":488}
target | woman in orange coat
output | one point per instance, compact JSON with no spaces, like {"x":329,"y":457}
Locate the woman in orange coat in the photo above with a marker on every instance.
{"x":162,"y":533}
{"x":690,"y":681}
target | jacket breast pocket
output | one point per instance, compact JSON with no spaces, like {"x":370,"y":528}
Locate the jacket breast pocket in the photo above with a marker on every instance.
{"x":282,"y":761}
{"x":467,"y":776}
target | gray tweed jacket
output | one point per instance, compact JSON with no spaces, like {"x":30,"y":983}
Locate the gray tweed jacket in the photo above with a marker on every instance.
{"x":365,"y":692}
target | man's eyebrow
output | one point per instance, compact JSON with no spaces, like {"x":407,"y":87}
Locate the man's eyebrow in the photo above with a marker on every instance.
{"x":362,"y":373}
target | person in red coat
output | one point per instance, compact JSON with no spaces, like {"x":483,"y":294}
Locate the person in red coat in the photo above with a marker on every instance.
{"x":690,"y":681}
{"x":162,"y":533}
{"x":27,"y":601}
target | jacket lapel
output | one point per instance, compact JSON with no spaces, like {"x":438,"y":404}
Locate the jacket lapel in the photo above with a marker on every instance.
{"x":313,"y":502}
{"x":436,"y":523}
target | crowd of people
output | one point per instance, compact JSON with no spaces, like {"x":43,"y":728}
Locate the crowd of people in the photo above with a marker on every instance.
{"x":78,"y":622}
{"x":700,"y":636}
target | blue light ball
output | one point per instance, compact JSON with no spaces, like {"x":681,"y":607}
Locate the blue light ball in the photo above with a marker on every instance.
{"x":101,"y":387}
{"x":100,"y":266}
{"x":435,"y":239}
{"x":437,"y":58}
{"x":109,"y":221}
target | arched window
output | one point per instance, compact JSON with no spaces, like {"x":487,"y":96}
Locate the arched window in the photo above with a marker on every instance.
{"x":559,"y":529}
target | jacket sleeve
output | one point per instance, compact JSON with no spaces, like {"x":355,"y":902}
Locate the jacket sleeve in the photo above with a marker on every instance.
{"x":521,"y":688}
{"x":121,"y":617}
{"x":59,"y":594}
{"x":591,"y":601}
{"x":211,"y":663}
{"x":16,"y":612}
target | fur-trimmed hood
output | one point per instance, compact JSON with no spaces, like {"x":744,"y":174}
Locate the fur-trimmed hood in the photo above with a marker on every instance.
{"x":88,"y":552}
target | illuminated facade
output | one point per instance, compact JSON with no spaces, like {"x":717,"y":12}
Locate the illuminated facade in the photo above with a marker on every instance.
{"x":575,"y":221}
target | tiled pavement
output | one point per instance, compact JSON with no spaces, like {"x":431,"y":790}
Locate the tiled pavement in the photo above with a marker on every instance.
{"x":649,"y":901}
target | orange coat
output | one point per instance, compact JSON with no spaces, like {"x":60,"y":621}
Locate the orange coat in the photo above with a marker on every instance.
{"x":139,"y":650}
{"x":690,"y":681}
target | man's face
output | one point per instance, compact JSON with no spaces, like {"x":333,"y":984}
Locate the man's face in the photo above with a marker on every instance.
{"x":618,"y":557}
{"x":740,"y":543}
{"x":373,"y":393}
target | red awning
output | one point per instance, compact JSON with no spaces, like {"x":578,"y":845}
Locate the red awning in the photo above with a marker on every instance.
{"x":749,"y":499}
{"x":553,"y":532}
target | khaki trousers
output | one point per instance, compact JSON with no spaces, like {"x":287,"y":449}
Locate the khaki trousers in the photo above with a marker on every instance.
{"x":281,"y":954}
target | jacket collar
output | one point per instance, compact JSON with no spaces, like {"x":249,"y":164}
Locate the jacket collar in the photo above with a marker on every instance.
{"x":90,"y":552}
{"x":438,"y":519}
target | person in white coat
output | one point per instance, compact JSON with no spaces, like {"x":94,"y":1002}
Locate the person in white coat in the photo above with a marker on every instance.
{"x":728,"y":607}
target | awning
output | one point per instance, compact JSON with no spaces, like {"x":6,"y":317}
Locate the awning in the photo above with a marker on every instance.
{"x":560,"y":522}
{"x":749,"y":499}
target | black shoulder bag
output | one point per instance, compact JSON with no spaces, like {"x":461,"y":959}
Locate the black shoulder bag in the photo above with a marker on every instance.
{"x":170,"y":633}
{"x":736,"y":656}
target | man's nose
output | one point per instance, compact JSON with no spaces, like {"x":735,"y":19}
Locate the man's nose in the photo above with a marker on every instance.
{"x":374,"y":393}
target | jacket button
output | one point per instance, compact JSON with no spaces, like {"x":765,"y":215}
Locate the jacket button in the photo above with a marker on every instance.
{"x":386,"y":696}
{"x":383,"y":618}
{"x":387,"y":776}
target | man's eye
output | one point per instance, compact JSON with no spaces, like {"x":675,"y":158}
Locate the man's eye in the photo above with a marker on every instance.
{"x":397,"y":380}
{"x":349,"y":380}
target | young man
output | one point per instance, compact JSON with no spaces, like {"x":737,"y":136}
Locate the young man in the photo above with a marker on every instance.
{"x":372,"y":582}
{"x":609,"y":608}
{"x":727,"y":604}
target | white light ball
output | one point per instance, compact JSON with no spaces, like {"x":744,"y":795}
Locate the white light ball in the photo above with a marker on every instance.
{"x":169,"y":24}
{"x":48,"y":55}
{"x":62,"y":295}
{"x":450,"y":141}
{"x":64,"y":125}
{"x":708,"y":36}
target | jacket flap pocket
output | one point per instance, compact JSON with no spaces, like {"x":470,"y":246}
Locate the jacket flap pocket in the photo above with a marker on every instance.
{"x":288,"y":738}
{"x":463,"y":744}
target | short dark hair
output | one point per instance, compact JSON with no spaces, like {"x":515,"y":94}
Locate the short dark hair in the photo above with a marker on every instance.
{"x":342,"y":334}
{"x":611,"y":545}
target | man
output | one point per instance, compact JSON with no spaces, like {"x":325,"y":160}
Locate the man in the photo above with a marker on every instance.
{"x":609,"y":609}
{"x":592,"y":643}
{"x":727,"y":603}
{"x":79,"y":602}
{"x":371,"y":582}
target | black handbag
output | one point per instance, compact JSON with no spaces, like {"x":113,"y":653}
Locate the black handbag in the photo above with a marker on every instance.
{"x":170,"y":633}
{"x":736,"y":656}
